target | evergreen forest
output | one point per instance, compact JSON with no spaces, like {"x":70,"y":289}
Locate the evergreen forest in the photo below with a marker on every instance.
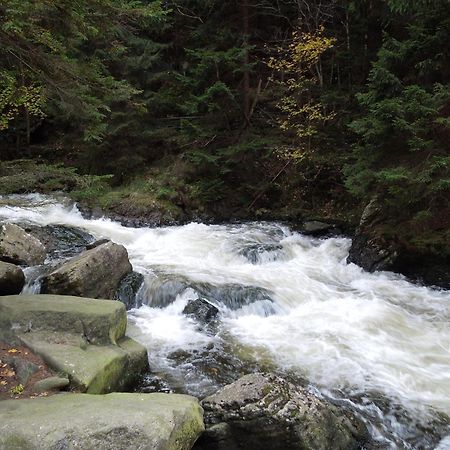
{"x":239,"y":109}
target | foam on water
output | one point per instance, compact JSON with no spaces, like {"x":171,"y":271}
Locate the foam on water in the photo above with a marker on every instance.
{"x":341,"y":327}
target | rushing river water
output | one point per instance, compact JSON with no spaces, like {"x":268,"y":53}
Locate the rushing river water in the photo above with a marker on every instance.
{"x":372,"y":342}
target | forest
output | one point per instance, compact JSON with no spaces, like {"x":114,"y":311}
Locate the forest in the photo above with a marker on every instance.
{"x":237,"y":109}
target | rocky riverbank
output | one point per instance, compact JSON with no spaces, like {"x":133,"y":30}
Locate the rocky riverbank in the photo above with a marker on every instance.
{"x":383,"y":240}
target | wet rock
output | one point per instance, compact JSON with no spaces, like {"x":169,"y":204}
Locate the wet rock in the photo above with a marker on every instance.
{"x":12,"y":279}
{"x":51,"y":384}
{"x":19,"y":247}
{"x":201,"y":310}
{"x":267,"y":412}
{"x":61,"y":241}
{"x":97,"y":243}
{"x":95,"y":273}
{"x":101,"y":422}
{"x":128,"y":289}
{"x":151,"y":383}
{"x":161,"y":291}
{"x":318,"y":228}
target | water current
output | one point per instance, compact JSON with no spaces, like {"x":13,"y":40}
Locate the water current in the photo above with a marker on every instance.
{"x":374,"y":343}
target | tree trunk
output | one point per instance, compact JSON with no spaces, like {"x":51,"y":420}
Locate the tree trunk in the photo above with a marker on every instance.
{"x":246,"y":60}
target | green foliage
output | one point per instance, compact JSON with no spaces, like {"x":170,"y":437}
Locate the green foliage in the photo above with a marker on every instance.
{"x":56,"y":59}
{"x":17,"y":390}
{"x":403,"y":145}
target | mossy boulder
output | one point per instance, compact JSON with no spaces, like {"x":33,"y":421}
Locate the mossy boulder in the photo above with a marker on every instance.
{"x":101,"y":422}
{"x":97,"y":322}
{"x":95,"y":273}
{"x":264,"y":411}
{"x":82,"y":339}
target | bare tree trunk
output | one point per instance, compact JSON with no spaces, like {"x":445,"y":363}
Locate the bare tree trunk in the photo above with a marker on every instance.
{"x":246,"y":31}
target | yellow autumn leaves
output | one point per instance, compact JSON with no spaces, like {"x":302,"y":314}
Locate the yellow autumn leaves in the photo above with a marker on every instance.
{"x":298,"y":69}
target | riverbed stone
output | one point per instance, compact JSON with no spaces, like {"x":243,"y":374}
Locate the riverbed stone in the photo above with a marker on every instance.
{"x":19,"y":247}
{"x":265,"y":411}
{"x":201,"y":310}
{"x":82,"y":339}
{"x":95,"y":273}
{"x":117,"y":421}
{"x":12,"y":279}
{"x":98,"y":322}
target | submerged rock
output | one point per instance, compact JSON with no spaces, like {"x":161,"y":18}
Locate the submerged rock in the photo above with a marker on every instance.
{"x":258,"y":253}
{"x":84,"y":339}
{"x":19,"y":247}
{"x":260,"y":412}
{"x":12,"y":279}
{"x":101,"y":422}
{"x":162,"y":290}
{"x":235,"y":296}
{"x":96,"y":273}
{"x":128,"y":289}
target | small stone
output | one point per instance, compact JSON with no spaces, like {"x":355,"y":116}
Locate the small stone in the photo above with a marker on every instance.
{"x":50,"y":384}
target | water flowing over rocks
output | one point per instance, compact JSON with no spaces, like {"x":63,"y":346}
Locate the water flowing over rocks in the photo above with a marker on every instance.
{"x":117,"y":421}
{"x":288,"y":304}
{"x":95,"y":273}
{"x":128,"y":290}
{"x":162,"y":290}
{"x":83,"y":339}
{"x":19,"y":247}
{"x":267,"y":412}
{"x":12,"y":279}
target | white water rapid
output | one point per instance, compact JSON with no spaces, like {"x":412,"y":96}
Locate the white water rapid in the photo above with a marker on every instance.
{"x":373,"y":341}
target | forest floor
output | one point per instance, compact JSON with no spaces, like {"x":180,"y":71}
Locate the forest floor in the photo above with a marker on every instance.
{"x":16,"y":377}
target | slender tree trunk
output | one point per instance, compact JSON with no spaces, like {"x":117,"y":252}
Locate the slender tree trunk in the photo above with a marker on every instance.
{"x":26,"y":112}
{"x":246,"y":61}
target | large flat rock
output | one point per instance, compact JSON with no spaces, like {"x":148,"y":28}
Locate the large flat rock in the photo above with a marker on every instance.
{"x":101,"y":422}
{"x":93,"y":369}
{"x":82,"y":339}
{"x":99,"y":321}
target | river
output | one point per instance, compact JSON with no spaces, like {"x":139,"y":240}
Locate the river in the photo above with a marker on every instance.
{"x":375,"y":343}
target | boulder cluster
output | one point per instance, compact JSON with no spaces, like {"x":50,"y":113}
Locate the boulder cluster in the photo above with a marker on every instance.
{"x":80,"y":332}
